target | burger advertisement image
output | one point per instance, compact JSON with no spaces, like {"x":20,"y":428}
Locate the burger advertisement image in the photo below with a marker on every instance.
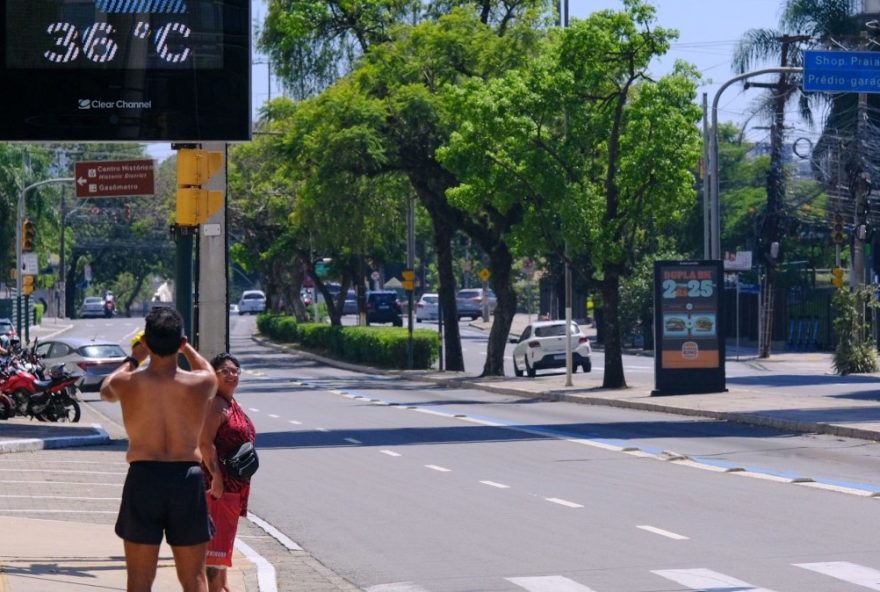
{"x":689,"y":353}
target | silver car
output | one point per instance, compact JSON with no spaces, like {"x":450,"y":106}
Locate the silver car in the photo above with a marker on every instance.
{"x":469,"y":302}
{"x":428,"y":307}
{"x":93,"y":359}
{"x":92,"y":306}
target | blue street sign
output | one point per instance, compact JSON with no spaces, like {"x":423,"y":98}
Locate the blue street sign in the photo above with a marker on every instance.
{"x":842,"y":71}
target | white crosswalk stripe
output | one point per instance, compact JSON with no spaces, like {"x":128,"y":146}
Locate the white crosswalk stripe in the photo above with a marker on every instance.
{"x":397,"y":587}
{"x":848,"y":572}
{"x":549,"y":584}
{"x":696,"y":579}
{"x":707,"y":580}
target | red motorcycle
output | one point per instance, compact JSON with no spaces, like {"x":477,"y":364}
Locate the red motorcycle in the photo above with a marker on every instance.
{"x":53,"y":399}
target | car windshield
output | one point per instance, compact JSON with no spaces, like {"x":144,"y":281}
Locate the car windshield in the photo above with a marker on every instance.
{"x":106,"y":350}
{"x":92,"y":300}
{"x":383,"y":297}
{"x":430,"y":299}
{"x":555,"y":330}
{"x":253,"y":297}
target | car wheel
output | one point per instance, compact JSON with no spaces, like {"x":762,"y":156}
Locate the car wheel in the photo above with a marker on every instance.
{"x":516,"y":370}
{"x":587,"y":365}
{"x":529,"y":370}
{"x":397,"y":322}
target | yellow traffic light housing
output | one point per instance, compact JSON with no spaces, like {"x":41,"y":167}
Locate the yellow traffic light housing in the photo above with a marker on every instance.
{"x":195,"y":168}
{"x":27,"y":284}
{"x":837,"y":277}
{"x":28,"y":235}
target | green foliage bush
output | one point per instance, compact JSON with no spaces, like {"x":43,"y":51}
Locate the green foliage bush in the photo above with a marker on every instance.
{"x":377,"y":346}
{"x":855,"y":352}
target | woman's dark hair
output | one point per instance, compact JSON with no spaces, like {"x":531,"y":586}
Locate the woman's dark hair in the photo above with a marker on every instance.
{"x":164,"y":331}
{"x":218,"y":360}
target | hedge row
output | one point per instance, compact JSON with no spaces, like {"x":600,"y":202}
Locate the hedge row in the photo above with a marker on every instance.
{"x":377,"y":346}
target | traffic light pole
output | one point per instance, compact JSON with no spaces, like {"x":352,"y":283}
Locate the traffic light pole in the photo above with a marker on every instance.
{"x":19,"y":220}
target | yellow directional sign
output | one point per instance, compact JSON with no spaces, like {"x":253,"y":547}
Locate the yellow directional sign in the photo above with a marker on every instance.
{"x":485,"y":274}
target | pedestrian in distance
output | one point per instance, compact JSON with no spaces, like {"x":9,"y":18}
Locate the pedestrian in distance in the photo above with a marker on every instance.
{"x":163,"y":410}
{"x":226,"y":428}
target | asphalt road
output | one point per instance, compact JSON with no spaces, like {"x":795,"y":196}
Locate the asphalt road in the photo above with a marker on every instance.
{"x":406,"y":487}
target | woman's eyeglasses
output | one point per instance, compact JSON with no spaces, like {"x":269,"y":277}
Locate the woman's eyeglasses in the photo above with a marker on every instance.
{"x":229,"y":371}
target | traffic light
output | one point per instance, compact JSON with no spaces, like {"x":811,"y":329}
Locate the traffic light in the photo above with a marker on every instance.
{"x":409,"y":280}
{"x":837,"y":277}
{"x":28,"y":235}
{"x":195,"y":168}
{"x":837,"y":230}
{"x":27,"y":284}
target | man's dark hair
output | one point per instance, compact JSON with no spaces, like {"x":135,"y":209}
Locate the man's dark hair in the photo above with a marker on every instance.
{"x":164,"y":331}
{"x":218,"y":360}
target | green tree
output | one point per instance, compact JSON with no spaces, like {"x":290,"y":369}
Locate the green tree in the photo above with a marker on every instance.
{"x":596,"y":154}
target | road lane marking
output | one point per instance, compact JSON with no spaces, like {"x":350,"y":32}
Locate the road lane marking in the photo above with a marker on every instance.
{"x":396,"y":587}
{"x":661,"y":532}
{"x":563,"y":502}
{"x":438,"y":468}
{"x":274,"y":532}
{"x":390,"y":452}
{"x":294,"y":422}
{"x":549,"y":584}
{"x":254,"y":409}
{"x":321,"y":430}
{"x":274,"y":415}
{"x":353,"y":441}
{"x":706,"y":579}
{"x":494,"y":484}
{"x":848,"y":572}
{"x":265,"y":570}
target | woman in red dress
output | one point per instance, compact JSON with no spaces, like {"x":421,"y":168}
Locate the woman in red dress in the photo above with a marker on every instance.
{"x":226,"y":428}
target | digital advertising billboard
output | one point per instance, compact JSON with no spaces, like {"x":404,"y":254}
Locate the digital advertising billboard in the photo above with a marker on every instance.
{"x":688,"y":327}
{"x":125,"y":70}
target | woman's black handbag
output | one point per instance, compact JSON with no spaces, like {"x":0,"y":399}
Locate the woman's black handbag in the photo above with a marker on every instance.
{"x":243,"y":463}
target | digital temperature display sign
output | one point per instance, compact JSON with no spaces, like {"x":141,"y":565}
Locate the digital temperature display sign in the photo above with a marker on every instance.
{"x":689,"y":341}
{"x":125,"y":70}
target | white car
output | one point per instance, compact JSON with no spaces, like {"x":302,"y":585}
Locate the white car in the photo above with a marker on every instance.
{"x":252,"y":301}
{"x":428,"y":307}
{"x":542,"y":345}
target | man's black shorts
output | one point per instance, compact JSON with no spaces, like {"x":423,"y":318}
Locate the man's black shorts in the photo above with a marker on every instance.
{"x":164,"y":497}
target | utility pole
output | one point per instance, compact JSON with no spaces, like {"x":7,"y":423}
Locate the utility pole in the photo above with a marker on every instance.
{"x":859,"y":188}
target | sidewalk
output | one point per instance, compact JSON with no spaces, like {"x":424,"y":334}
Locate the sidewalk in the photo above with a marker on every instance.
{"x":38,"y":555}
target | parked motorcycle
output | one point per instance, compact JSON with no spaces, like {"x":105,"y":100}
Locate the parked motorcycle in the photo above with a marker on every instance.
{"x":45,"y":395}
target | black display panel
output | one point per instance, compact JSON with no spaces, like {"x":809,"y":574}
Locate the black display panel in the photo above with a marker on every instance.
{"x":125,"y":70}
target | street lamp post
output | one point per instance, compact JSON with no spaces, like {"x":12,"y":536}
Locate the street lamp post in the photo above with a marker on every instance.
{"x":714,"y":226}
{"x":19,"y":220}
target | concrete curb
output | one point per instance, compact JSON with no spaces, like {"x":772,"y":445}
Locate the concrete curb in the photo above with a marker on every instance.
{"x":30,"y":444}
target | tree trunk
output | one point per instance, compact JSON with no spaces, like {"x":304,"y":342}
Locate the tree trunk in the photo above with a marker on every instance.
{"x":443,"y":245}
{"x":138,"y":284}
{"x":501,"y":264}
{"x":610,"y":287}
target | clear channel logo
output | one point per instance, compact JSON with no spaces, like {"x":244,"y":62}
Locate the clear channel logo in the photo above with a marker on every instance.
{"x":88,"y":104}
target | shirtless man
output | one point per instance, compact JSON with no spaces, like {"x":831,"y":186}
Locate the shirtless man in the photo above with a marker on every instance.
{"x":163,"y":408}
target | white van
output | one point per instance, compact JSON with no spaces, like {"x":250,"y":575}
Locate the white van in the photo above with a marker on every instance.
{"x":252,"y":301}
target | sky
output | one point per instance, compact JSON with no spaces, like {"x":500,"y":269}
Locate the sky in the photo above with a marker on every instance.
{"x":709,"y":31}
